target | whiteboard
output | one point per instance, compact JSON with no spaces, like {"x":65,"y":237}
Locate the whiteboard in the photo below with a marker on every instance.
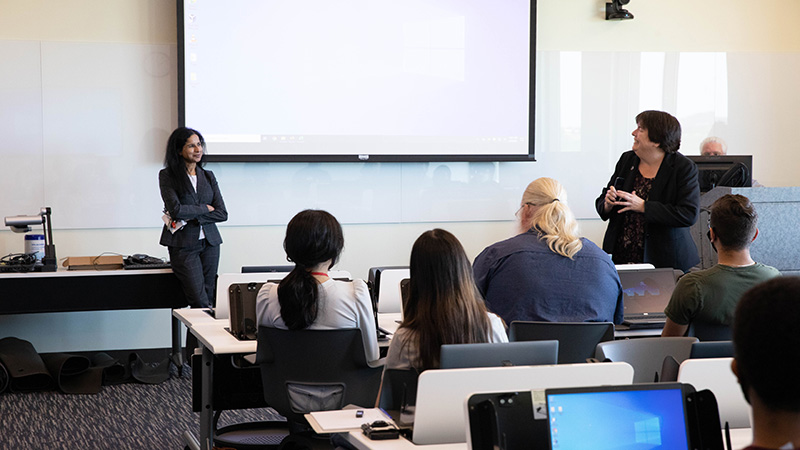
{"x":84,"y":127}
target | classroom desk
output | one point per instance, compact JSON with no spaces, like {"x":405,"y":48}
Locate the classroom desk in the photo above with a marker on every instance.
{"x":94,"y":290}
{"x":740,"y":438}
{"x":214,"y":339}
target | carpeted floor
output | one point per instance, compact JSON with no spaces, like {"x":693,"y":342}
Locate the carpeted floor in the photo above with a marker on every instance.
{"x":126,"y":416}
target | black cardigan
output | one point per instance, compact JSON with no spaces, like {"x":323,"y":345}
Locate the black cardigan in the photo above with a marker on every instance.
{"x":672,"y":207}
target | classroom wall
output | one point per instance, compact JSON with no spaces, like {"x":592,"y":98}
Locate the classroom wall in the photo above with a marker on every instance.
{"x":759,"y":44}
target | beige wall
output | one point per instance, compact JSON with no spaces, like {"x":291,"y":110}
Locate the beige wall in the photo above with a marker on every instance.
{"x":708,"y":25}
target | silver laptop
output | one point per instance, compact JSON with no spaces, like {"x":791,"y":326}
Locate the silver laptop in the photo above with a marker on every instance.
{"x":646,"y":292}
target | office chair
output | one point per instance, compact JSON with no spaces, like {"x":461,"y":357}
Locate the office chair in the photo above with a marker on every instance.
{"x":712,"y":349}
{"x":646,"y":355}
{"x":498,"y":354}
{"x":576,"y":340}
{"x":314,"y":370}
{"x":710,"y":332}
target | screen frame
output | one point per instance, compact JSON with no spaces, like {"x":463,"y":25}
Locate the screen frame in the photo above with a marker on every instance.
{"x":237,"y":158}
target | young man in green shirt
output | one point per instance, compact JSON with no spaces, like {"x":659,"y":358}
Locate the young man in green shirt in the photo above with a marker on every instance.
{"x":710,"y":296}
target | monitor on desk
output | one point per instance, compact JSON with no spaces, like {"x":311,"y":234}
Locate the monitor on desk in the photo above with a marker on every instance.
{"x":724,"y":170}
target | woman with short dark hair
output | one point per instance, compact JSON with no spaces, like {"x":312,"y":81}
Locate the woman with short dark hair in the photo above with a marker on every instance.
{"x":308,"y":298}
{"x":443,"y":305}
{"x":652,"y":199}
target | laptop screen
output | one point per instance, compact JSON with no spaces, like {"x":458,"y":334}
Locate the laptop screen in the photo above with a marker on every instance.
{"x":646,"y":291}
{"x":650,"y":416}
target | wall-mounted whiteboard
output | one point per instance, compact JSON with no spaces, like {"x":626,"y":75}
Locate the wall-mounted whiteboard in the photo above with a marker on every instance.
{"x":84,"y":126}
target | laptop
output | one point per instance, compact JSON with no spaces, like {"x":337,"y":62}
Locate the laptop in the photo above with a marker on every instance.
{"x":637,"y":416}
{"x":646,"y":293}
{"x":498,"y":354}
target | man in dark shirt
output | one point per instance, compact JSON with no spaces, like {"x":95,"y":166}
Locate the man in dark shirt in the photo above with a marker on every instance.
{"x":767,"y":363}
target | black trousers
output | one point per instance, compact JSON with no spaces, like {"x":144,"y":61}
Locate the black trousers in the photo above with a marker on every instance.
{"x":196,"y":268}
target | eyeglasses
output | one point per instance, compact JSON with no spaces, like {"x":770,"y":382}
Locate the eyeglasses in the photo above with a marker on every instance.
{"x":516,"y":214}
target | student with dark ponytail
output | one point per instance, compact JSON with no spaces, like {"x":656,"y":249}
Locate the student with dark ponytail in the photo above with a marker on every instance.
{"x":308,"y":298}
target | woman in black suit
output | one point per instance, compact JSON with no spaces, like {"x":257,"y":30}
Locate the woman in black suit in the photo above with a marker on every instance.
{"x":194,"y":204}
{"x":652,"y":199}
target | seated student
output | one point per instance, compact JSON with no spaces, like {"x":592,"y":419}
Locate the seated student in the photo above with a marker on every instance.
{"x":710,"y":296}
{"x":308,"y":298}
{"x":548,"y":272}
{"x":443,"y":306}
{"x":767,"y":348}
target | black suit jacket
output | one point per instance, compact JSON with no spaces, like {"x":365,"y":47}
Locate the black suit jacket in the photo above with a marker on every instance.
{"x":672,"y":207}
{"x":186,"y":204}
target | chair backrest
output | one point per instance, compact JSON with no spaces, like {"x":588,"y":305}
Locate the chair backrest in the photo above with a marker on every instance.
{"x":646,"y":355}
{"x":712,"y":349}
{"x":576,"y":340}
{"x":715,"y":375}
{"x":315,"y":370}
{"x":497,"y":354}
{"x":257,"y":269}
{"x":440,"y":416}
{"x":710,"y":332}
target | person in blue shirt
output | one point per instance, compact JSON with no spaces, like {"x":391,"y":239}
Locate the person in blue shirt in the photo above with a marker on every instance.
{"x":548,"y":272}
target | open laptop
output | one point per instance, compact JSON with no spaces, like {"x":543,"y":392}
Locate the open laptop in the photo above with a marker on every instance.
{"x":646,"y":292}
{"x":637,"y":416}
{"x":498,"y":354}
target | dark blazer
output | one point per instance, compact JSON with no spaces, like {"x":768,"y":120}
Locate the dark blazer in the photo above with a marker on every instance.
{"x":672,"y":207}
{"x":191,"y":207}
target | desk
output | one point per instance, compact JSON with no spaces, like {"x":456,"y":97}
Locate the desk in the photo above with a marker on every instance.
{"x":214,"y":339}
{"x":94,"y":290}
{"x":740,"y":438}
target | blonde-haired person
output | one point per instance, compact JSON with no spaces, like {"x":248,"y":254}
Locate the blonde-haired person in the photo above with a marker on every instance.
{"x":443,"y":305}
{"x":548,"y":272}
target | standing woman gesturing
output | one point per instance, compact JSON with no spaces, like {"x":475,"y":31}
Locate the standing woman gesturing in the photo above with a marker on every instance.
{"x":194,"y":204}
{"x":652,"y":199}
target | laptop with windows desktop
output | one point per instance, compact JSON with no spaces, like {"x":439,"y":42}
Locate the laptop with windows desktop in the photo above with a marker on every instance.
{"x":646,"y":292}
{"x":637,"y":416}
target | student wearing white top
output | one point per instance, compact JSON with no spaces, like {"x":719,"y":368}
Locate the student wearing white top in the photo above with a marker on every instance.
{"x":308,"y":298}
{"x":444,"y":306}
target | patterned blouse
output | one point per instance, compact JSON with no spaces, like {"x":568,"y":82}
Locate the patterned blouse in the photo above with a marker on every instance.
{"x":630,"y":243}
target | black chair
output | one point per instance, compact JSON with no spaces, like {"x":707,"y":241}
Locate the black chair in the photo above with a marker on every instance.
{"x":315,"y":370}
{"x":710,"y":332}
{"x":258,"y":269}
{"x":576,"y":340}
{"x":497,"y":354}
{"x":711,"y":349}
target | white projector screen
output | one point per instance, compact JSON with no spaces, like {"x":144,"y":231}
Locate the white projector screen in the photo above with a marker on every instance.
{"x":359,"y":80}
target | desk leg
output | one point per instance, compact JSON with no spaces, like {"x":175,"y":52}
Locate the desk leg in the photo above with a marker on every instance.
{"x":177,"y":350}
{"x":207,"y":407}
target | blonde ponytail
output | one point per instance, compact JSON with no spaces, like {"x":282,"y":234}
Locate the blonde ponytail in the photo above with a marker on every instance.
{"x":553,"y":219}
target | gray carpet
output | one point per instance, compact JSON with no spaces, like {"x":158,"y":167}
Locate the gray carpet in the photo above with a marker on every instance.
{"x":126,"y":416}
